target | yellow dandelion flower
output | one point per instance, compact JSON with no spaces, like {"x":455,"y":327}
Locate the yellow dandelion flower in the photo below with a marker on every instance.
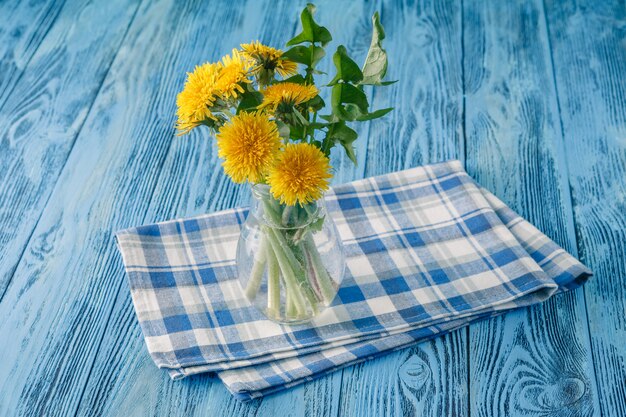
{"x":267,"y":61}
{"x":249,"y":144}
{"x":286,"y":95}
{"x":235,"y":71}
{"x":300,"y":175}
{"x":197,"y":97}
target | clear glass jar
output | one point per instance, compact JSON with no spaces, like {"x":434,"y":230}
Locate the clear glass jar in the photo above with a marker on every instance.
{"x":290,"y":259}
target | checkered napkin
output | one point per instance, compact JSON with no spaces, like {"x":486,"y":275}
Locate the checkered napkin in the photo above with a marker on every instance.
{"x":427,"y":251}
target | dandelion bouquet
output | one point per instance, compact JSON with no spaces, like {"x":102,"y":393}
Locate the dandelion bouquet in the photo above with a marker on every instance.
{"x":271,"y":129}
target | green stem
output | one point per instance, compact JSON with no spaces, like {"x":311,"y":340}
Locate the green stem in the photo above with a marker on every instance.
{"x":311,"y":275}
{"x":291,"y":282}
{"x":257,"y":270}
{"x":310,"y":210}
{"x":291,"y":311}
{"x":297,"y":269}
{"x":311,"y":134}
{"x":290,"y":259}
{"x":286,"y":215}
{"x":303,"y":216}
{"x":327,"y":140}
{"x":273,"y":282}
{"x":326,"y":286}
{"x":274,"y":216}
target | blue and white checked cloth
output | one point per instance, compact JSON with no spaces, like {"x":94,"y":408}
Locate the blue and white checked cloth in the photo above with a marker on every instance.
{"x":427,"y":251}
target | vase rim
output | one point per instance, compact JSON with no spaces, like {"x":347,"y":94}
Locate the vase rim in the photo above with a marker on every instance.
{"x":261,"y":191}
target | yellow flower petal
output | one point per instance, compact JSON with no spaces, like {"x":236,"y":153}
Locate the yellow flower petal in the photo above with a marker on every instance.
{"x":249,"y":145}
{"x":290,"y":94}
{"x":301,"y":174}
{"x":234,"y":72}
{"x":268,"y":60}
{"x":197,"y":97}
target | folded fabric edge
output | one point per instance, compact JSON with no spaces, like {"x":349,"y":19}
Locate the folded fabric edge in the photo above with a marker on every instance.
{"x":539,"y":282}
{"x":571,"y":277}
{"x":125,"y":236}
{"x":530,"y":296}
{"x":162,"y":361}
{"x":580,"y":270}
{"x":513,"y":221}
{"x":159,"y":360}
{"x":582,"y":274}
{"x":246,"y":395}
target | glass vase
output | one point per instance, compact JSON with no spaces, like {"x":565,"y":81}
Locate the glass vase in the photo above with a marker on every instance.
{"x":290,"y":259}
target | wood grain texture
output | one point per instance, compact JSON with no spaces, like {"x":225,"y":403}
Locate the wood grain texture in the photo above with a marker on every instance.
{"x":428,"y":379}
{"x":24,"y":26}
{"x":530,"y":97}
{"x":538,"y":360}
{"x":424,"y":47}
{"x":192,"y":182}
{"x":65,"y":285}
{"x":46,"y":110}
{"x":588,"y":48}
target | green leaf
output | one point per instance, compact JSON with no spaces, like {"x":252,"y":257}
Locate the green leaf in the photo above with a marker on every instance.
{"x":317,"y":225}
{"x":300,"y":118}
{"x":375,"y":66}
{"x":331,"y":118}
{"x":299,"y":54}
{"x":347,"y":70}
{"x":374,"y":115}
{"x":296,"y":131}
{"x":296,"y":79}
{"x":316,"y":103}
{"x":311,"y":31}
{"x":345,"y":136}
{"x":318,"y":125}
{"x":306,"y":55}
{"x":348,"y":102}
{"x":283,"y":129}
{"x":317,"y":53}
{"x":249,"y":101}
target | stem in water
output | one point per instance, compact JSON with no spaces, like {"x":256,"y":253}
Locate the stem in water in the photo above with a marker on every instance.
{"x":291,"y":282}
{"x":257,"y":270}
{"x":273,"y":282}
{"x":325,"y":283}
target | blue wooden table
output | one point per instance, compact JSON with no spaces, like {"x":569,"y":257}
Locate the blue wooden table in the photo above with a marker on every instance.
{"x":530,"y":95}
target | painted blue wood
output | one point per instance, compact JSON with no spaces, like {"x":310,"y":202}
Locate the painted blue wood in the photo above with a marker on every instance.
{"x":588,"y":49}
{"x":425,"y":50}
{"x":63,"y":290}
{"x":24,"y":26}
{"x":49,"y":92}
{"x":529,"y":95}
{"x":543,"y":357}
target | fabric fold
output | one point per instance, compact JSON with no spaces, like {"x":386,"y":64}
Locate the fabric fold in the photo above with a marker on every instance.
{"x":427,"y":251}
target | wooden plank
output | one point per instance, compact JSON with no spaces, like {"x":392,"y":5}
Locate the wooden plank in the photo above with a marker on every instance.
{"x":56,"y":309}
{"x":589,"y":57}
{"x":192,"y":182}
{"x":427,"y":379}
{"x":23,"y":26}
{"x":40,"y":120}
{"x":424,"y":46}
{"x":537,"y":360}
